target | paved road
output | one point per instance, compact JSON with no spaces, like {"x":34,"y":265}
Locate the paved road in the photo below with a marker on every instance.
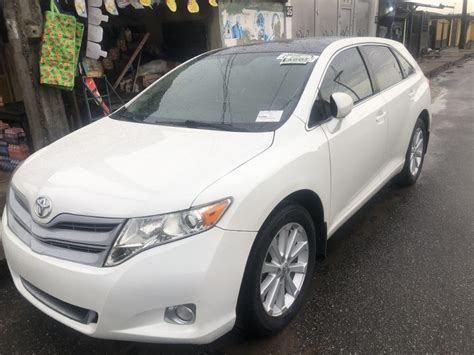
{"x":399,"y":276}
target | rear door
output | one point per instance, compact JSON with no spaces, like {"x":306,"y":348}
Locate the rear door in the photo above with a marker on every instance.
{"x":357,"y":142}
{"x":410,"y":87}
{"x":398,"y":90}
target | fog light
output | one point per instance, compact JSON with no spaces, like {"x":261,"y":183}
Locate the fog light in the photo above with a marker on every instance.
{"x":182,"y":314}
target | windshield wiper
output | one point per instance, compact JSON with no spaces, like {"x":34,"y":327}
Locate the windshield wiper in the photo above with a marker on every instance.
{"x":125,"y":114}
{"x":130,"y":116}
{"x":211,"y":125}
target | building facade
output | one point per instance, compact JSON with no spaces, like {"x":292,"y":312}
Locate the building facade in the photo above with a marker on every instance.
{"x":314,"y":18}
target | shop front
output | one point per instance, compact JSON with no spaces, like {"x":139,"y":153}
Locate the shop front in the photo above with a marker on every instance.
{"x":126,"y":49}
{"x":67,"y":63}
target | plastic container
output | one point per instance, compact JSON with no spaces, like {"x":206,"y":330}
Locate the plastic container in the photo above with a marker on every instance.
{"x":3,"y":127}
{"x":18,"y":151}
{"x":14,"y":164}
{"x":15,"y":136}
{"x":5,"y":164}
{"x":3,"y":149}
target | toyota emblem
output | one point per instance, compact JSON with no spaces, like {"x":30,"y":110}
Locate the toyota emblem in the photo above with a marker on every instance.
{"x":43,"y":207}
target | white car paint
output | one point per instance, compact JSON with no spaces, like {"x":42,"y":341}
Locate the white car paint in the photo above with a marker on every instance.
{"x":102,"y":171}
{"x":97,"y":162}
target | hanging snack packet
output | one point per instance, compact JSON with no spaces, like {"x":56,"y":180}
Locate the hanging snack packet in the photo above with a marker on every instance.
{"x":95,"y":33}
{"x":94,"y":3}
{"x":171,"y":5}
{"x":123,"y":3}
{"x":94,"y":50}
{"x":80,"y":6}
{"x":110,"y":7}
{"x":146,"y":3}
{"x":193,"y":6}
{"x":136,"y":4}
{"x":96,"y":16}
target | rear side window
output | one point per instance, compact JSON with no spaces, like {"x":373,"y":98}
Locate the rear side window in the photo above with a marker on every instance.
{"x":407,"y":68}
{"x":384,"y":65}
{"x":346,"y":73}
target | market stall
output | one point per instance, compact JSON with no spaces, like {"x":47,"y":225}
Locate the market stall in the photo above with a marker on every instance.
{"x":126,"y":45}
{"x":99,"y":54}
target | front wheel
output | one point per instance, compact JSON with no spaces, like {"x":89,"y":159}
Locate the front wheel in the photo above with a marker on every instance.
{"x":278,"y":272}
{"x":415,"y":156}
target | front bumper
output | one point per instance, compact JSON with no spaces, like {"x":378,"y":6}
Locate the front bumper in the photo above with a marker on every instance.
{"x":130,"y":299}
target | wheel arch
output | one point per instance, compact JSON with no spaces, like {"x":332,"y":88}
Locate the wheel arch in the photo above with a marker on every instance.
{"x":313,"y":204}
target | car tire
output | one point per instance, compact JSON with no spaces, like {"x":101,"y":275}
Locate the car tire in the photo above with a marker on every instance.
{"x":255,"y":313}
{"x":415,"y":156}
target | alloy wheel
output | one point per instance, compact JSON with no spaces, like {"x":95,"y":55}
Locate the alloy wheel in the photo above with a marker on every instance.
{"x":416,"y":152}
{"x":284,"y":269}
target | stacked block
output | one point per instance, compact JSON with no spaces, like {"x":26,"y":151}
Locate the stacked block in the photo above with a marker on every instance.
{"x":13,"y":147}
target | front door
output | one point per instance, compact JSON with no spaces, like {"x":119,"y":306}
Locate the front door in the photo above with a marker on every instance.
{"x":357,"y":142}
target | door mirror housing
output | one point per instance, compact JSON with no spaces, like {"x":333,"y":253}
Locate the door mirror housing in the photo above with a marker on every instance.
{"x":341,"y":104}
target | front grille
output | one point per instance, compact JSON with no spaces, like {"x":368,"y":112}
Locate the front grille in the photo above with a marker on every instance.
{"x":92,"y":227}
{"x":79,"y":314}
{"x":82,"y":239}
{"x":71,"y":246}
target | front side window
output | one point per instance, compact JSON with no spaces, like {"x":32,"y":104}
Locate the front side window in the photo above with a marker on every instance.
{"x":241,"y":91}
{"x":407,"y":68}
{"x":383,"y":64}
{"x":346,"y":73}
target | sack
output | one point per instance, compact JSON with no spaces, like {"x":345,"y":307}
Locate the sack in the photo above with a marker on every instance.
{"x":62,"y":39}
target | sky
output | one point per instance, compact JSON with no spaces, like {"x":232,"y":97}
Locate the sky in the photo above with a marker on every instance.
{"x":456,"y":3}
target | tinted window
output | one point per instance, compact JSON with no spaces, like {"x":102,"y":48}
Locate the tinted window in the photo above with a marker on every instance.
{"x":383,"y":64}
{"x":248,"y":92}
{"x":346,"y":73}
{"x":407,"y":68}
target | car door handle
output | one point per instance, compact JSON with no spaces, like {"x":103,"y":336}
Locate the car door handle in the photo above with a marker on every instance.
{"x":380,"y":116}
{"x":411,"y":93}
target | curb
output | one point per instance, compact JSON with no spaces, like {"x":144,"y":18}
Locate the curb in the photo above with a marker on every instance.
{"x":445,"y":66}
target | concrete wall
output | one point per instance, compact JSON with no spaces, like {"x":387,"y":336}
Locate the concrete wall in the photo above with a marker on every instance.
{"x":243,"y":22}
{"x":455,"y":32}
{"x":213,"y":30}
{"x":314,"y":18}
{"x":451,"y":34}
{"x":15,"y":85}
{"x":470,"y":33}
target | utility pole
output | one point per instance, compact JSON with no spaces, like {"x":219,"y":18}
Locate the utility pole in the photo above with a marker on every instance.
{"x":44,"y":106}
{"x":462,"y":40}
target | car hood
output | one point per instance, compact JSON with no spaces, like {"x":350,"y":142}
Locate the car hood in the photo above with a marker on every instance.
{"x":124,"y":169}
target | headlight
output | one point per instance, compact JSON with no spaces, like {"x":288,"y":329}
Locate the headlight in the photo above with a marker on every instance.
{"x":140,"y":234}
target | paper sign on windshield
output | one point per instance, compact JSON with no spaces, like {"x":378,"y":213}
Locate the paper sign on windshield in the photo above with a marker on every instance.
{"x":296,"y":58}
{"x":269,"y":116}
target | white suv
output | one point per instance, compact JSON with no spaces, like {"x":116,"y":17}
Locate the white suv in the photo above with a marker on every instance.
{"x":205,"y":200}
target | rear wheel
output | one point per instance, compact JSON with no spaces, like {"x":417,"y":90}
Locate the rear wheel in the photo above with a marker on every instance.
{"x":278,"y":272}
{"x":415,"y":156}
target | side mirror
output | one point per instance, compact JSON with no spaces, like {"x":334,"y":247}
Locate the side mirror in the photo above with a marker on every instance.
{"x":341,"y":104}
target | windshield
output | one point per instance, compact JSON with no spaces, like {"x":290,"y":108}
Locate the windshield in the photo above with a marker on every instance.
{"x":244,"y":92}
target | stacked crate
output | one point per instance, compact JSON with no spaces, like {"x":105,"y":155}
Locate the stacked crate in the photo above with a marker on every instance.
{"x":13,"y":147}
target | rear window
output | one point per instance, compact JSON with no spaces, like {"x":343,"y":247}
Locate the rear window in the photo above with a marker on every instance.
{"x":243,"y":91}
{"x":384,"y":64}
{"x":407,"y":68}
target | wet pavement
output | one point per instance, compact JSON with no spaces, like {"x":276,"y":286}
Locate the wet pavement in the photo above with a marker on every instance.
{"x":399,"y":276}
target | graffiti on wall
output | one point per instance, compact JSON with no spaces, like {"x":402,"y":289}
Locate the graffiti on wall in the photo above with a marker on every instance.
{"x":251,"y":25}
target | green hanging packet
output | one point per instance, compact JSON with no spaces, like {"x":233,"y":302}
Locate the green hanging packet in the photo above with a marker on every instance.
{"x":62,"y":38}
